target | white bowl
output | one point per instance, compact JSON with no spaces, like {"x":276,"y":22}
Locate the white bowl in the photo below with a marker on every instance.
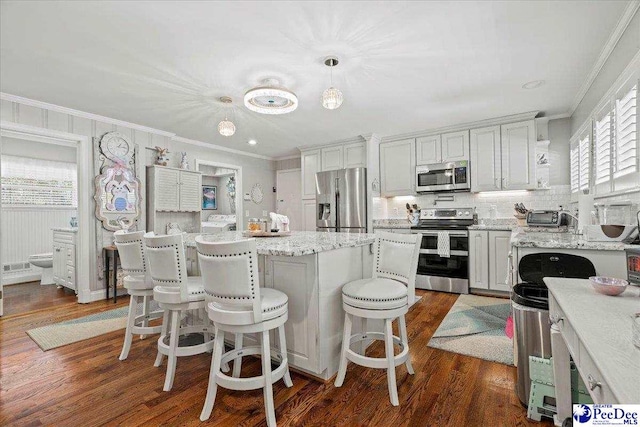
{"x":608,"y":285}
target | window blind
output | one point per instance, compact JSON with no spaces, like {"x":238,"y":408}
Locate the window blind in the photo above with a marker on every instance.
{"x":38,"y":182}
{"x":625,"y":134}
{"x":575,"y":167}
{"x":584,"y":162}
{"x":602,"y":148}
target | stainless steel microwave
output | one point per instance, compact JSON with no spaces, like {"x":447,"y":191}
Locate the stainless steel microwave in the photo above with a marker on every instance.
{"x":450,"y":176}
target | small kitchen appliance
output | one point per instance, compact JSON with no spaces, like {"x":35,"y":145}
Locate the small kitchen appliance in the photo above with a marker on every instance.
{"x":450,"y":176}
{"x":633,"y":265}
{"x":546,"y":218}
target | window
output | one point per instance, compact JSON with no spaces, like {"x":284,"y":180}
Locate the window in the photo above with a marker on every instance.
{"x":580,"y":163}
{"x":602,"y":148}
{"x":36,"y":182}
{"x":625,"y":159}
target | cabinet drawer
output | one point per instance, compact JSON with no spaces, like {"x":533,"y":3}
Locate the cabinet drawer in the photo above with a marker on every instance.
{"x":70,"y":277}
{"x":70,"y":254}
{"x":60,"y":237}
{"x":592,"y":377}
{"x":557,"y":316}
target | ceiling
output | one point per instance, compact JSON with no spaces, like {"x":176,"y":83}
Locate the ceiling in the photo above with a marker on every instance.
{"x":404,"y":66}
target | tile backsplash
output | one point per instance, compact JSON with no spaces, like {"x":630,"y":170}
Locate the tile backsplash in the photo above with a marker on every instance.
{"x":395,"y":207}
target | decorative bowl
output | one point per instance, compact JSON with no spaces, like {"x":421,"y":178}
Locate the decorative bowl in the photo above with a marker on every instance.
{"x":608,"y":285}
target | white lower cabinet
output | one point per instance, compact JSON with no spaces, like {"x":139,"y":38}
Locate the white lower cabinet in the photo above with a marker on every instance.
{"x":488,"y":256}
{"x":64,"y":259}
{"x":309,"y":214}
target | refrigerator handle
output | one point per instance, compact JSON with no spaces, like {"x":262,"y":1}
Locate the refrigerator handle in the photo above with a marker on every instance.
{"x":338,"y":225}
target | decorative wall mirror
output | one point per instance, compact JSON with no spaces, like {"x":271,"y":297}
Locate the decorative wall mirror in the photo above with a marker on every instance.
{"x":256,"y":194}
{"x":117,"y":193}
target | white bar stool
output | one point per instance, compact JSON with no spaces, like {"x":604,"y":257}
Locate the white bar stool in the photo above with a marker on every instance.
{"x":175,"y":293}
{"x":138,"y":285}
{"x":237,"y":304}
{"x":386,"y":296}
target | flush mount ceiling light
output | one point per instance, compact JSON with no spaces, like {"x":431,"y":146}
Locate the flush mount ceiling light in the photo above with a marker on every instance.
{"x":331,"y":98}
{"x":270,"y":98}
{"x":226,"y":127}
{"x":533,"y":84}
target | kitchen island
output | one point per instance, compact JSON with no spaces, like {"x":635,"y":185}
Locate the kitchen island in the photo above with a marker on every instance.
{"x":311,"y":269}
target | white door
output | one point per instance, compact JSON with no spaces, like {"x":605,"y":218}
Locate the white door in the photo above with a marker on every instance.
{"x":485,"y":159}
{"x":355,"y":155}
{"x":288,"y":197}
{"x":191,"y":191}
{"x":310,"y":165}
{"x":428,"y":150}
{"x":478,"y":259}
{"x":455,"y":146}
{"x":397,"y":168}
{"x":331,"y":158}
{"x":499,"y":247}
{"x":309,"y":214}
{"x":519,"y":156}
{"x":167,"y":189}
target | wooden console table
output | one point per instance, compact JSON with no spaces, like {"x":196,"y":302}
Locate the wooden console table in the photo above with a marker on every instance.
{"x":595,"y":330}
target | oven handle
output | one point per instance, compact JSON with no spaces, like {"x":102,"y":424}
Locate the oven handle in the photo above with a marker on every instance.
{"x":435,"y":233}
{"x":435,"y":252}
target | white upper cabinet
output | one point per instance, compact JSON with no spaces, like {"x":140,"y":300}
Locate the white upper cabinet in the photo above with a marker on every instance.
{"x":166,"y":183}
{"x":519,"y":156}
{"x":190,"y":191}
{"x":428,"y":150}
{"x":332,"y":158}
{"x":397,"y":168}
{"x":355,"y":155}
{"x":455,"y":146}
{"x":504,"y":157}
{"x":310,"y":165}
{"x":485,"y":159}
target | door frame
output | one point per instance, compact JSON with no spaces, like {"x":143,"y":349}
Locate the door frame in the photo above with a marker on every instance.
{"x":239,"y":197}
{"x":278,"y":172}
{"x":85,"y":269}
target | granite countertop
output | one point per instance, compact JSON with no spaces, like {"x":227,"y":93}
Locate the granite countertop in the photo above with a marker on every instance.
{"x":391,"y":223}
{"x":526,"y":238}
{"x":297,"y":244}
{"x":491,"y":227}
{"x":603,"y":325}
{"x":66,"y":229}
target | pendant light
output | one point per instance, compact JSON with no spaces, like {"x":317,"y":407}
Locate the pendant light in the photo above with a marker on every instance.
{"x":332,"y":97}
{"x":226,"y":127}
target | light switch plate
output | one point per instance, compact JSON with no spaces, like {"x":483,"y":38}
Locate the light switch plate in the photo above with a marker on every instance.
{"x":246,"y":213}
{"x":264,"y":213}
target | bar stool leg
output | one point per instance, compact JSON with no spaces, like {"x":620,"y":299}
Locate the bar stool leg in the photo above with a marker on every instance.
{"x":145,"y":313}
{"x":165,"y":328}
{"x":346,"y":338}
{"x":128,"y":335}
{"x":173,"y":346}
{"x":283,"y":352}
{"x":237,"y":363}
{"x":363,"y":343}
{"x":212,"y":388}
{"x":391,"y":366}
{"x":268,"y":386}
{"x":405,"y":342}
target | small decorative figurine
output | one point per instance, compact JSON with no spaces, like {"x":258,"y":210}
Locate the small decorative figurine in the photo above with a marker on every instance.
{"x":184,"y":163}
{"x":163,"y":159}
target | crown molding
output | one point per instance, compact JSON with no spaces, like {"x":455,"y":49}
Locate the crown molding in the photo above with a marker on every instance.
{"x":530,"y":115}
{"x":559,"y":116}
{"x":614,"y":37}
{"x":78,"y":113}
{"x":293,"y":156}
{"x":351,"y":140}
{"x":219,"y":148}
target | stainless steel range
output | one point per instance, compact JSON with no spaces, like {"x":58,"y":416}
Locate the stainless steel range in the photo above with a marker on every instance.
{"x":443,"y":264}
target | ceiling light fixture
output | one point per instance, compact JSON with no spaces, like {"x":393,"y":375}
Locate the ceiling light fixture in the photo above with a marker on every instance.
{"x":252,"y":142}
{"x":533,"y":84}
{"x":331,"y":98}
{"x":226,"y":127}
{"x":270,"y":98}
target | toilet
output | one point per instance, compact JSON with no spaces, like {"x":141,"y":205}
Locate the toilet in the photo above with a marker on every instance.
{"x":45,"y":262}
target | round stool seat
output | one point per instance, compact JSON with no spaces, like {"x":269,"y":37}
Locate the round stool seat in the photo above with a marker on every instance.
{"x":375,"y":294}
{"x":137,"y":283}
{"x":171,"y":294}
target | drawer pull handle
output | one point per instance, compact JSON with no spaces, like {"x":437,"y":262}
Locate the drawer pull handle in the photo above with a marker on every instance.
{"x":593,"y":384}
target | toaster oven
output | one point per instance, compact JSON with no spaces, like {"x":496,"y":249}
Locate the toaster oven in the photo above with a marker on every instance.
{"x":633,"y":265}
{"x":551,"y":218}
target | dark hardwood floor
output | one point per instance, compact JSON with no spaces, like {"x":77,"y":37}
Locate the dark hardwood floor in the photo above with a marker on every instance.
{"x":30,"y":296}
{"x":84,"y":384}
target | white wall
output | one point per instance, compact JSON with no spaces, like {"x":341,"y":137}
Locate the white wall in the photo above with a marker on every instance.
{"x":559,"y":134}
{"x":38,"y":150}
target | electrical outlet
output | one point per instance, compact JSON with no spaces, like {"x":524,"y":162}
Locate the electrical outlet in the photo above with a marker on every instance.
{"x":246,"y":213}
{"x":395,"y":211}
{"x":264,"y":213}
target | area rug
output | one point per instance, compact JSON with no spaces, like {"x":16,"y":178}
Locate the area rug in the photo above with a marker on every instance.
{"x":475,"y":326}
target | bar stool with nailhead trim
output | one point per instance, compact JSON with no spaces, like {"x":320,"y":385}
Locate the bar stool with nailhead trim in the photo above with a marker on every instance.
{"x":386,"y":296}
{"x":175,"y":293}
{"x":139,"y":286}
{"x":238,"y":305}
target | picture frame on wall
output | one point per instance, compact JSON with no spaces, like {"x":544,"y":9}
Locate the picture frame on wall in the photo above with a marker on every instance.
{"x":209,"y":197}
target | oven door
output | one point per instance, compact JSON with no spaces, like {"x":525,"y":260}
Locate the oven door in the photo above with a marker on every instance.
{"x":444,"y":177}
{"x":441,"y":273}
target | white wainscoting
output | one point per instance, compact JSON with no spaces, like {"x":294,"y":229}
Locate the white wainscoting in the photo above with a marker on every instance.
{"x":27,"y":231}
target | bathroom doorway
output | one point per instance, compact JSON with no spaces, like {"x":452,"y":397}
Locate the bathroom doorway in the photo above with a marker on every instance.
{"x":222,"y":196}
{"x":41,"y":193}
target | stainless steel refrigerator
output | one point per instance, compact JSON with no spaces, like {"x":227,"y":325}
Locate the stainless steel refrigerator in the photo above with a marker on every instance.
{"x":341,"y":200}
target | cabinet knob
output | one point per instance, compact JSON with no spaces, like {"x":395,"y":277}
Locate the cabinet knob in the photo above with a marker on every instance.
{"x":593,"y":383}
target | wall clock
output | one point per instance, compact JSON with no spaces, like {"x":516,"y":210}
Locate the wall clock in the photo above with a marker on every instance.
{"x":116,"y":147}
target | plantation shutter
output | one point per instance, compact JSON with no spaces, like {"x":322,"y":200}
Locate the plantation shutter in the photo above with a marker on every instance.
{"x":575,"y":167}
{"x":584,"y":162}
{"x":625,"y":159}
{"x":602,"y":148}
